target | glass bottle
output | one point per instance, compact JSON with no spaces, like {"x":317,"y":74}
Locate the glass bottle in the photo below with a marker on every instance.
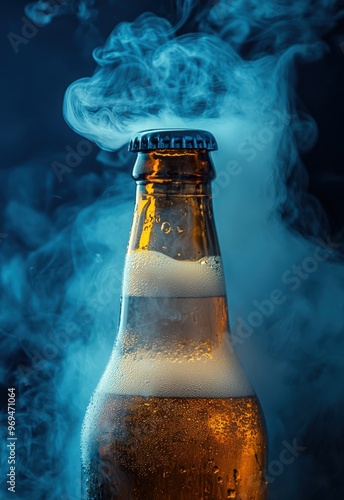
{"x":174,"y":416}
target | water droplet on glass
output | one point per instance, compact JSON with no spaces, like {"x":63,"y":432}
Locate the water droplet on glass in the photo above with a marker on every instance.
{"x":166,"y":227}
{"x":220,"y":480}
{"x":231,"y":493}
{"x":215,"y":469}
{"x":236,"y":475}
{"x":180,"y":229}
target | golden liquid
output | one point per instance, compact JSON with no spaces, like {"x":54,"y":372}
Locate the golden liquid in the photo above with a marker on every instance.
{"x":149,"y":448}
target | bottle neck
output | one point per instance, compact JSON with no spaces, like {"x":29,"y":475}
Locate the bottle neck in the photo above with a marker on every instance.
{"x":173,"y":277}
{"x":173,"y":212}
{"x":173,"y":333}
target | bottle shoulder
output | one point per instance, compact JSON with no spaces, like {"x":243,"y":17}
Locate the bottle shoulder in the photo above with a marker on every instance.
{"x":185,"y":369}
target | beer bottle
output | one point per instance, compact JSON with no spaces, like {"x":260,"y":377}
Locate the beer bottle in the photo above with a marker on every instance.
{"x":174,"y":416}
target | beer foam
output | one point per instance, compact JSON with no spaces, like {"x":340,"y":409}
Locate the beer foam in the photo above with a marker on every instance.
{"x":153,"y":274}
{"x":219,"y":375}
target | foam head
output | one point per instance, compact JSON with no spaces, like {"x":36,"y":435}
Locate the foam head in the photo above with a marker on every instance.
{"x":153,"y":274}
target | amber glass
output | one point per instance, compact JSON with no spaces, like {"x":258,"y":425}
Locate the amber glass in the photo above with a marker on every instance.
{"x":174,"y":416}
{"x":173,"y":212}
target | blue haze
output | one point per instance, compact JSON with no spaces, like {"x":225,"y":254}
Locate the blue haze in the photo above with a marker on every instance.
{"x":63,"y":243}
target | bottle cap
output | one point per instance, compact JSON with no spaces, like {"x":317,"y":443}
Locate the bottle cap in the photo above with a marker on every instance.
{"x":179,"y":138}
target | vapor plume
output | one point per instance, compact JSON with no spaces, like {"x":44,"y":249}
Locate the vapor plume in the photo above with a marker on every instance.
{"x":234,"y":75}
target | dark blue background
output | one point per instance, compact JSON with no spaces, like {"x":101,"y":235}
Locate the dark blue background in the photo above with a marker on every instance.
{"x":34,"y":134}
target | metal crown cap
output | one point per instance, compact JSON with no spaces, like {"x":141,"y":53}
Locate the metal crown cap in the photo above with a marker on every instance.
{"x":179,"y":138}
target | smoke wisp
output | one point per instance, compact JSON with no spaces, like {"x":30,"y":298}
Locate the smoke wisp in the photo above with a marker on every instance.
{"x":235,"y":75}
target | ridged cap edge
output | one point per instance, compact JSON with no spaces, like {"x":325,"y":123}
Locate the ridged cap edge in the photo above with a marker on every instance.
{"x":151,"y":140}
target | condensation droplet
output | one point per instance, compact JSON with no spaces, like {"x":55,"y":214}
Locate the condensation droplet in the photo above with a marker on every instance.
{"x":180,"y":229}
{"x":166,"y":227}
{"x":236,"y":475}
{"x":231,"y":493}
{"x":220,"y":480}
{"x":215,"y":469}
